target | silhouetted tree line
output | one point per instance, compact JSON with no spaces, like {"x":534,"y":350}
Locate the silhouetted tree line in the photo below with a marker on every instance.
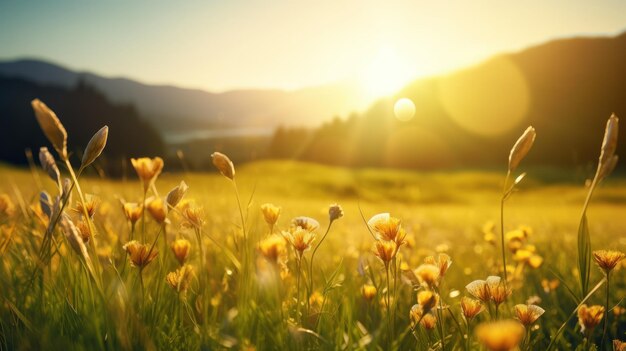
{"x":82,"y":110}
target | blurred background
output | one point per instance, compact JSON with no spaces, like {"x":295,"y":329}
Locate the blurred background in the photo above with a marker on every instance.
{"x":399,"y":84}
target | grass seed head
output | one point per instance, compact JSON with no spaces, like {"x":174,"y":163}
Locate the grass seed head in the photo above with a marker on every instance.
{"x":51,"y":127}
{"x":49,"y":165}
{"x":95,"y":146}
{"x":521,"y":148}
{"x":177,"y":194}
{"x":224,"y":165}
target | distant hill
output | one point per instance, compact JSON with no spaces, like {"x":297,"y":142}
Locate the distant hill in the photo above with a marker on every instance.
{"x":174,"y":109}
{"x":83,"y":111}
{"x":566,"y":89}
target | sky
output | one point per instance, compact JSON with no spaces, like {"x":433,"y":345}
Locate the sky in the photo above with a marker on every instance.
{"x":224,"y":45}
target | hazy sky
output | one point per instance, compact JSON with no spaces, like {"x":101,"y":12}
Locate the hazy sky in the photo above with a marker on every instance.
{"x":219,"y":45}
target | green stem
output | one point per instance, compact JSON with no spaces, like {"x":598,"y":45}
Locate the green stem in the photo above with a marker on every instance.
{"x":388,"y":307}
{"x":313,"y":256}
{"x":606,"y":312}
{"x":506,"y":181}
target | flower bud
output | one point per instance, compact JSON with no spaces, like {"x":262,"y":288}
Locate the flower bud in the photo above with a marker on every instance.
{"x":224,"y":165}
{"x":521,"y":148}
{"x":95,"y":146}
{"x":51,"y":127}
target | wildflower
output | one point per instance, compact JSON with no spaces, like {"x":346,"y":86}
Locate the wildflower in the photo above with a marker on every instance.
{"x":148,"y":169}
{"x":443,"y":262}
{"x":619,"y":345}
{"x":84,"y":231}
{"x":52,"y":127}
{"x":194,"y":216}
{"x":132,"y":211}
{"x":140,"y":255}
{"x":428,"y":274}
{"x":300,"y":239}
{"x":273,"y":248}
{"x":306,"y":223}
{"x":528,"y":314}
{"x":549,"y":285}
{"x":479,"y":289}
{"x":427,"y":299}
{"x":521,"y":148}
{"x":387,"y":228}
{"x":607,"y":259}
{"x":95,"y":146}
{"x":270,"y":213}
{"x":157,"y":210}
{"x":180,"y":279}
{"x":224,"y":165}
{"x":176,"y":194}
{"x":589,"y":316}
{"x":7,"y":209}
{"x":501,"y":335}
{"x":497,"y":290}
{"x":415,"y":314}
{"x":335,"y":212}
{"x":470,"y":307}
{"x":385,"y":250}
{"x":535,"y":261}
{"x":49,"y":165}
{"x":89,"y":206}
{"x":316,"y":300}
{"x":429,"y":321}
{"x":181,"y":248}
{"x":369,"y":291}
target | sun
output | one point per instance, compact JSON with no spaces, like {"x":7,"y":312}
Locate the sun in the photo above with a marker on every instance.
{"x":385,"y":74}
{"x":404,"y":109}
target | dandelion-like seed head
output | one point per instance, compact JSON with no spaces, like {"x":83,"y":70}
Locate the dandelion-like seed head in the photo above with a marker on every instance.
{"x":139,"y":254}
{"x":528,"y":314}
{"x":181,"y":248}
{"x":270,"y":213}
{"x":470,"y":307}
{"x":607,"y":260}
{"x":589,"y":316}
{"x":148,"y":169}
{"x":502,"y":335}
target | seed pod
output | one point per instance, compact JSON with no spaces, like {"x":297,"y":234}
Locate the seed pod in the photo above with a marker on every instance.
{"x":609,"y":144}
{"x":224,"y":165}
{"x":51,"y":127}
{"x":521,"y":148}
{"x":177,"y":194}
{"x":95,"y":146}
{"x":47,"y":164}
{"x":608,"y":167}
{"x":45,"y":204}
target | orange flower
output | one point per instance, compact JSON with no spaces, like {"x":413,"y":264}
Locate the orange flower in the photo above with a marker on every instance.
{"x":427,"y":299}
{"x":273,"y":248}
{"x":369,"y":291}
{"x":300,"y":239}
{"x":132,"y":211}
{"x":180,"y":279}
{"x":501,"y":335}
{"x":589,"y":317}
{"x":270,"y":213}
{"x":181,"y":248}
{"x":470,"y":307}
{"x":139,"y":254}
{"x":443,"y":262}
{"x":385,"y":250}
{"x":528,"y":314}
{"x":607,"y":259}
{"x":148,"y":169}
{"x":428,"y":274}
{"x":387,"y":228}
{"x":157,"y":210}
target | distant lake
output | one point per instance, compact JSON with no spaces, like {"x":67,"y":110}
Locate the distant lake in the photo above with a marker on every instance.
{"x":203,"y":134}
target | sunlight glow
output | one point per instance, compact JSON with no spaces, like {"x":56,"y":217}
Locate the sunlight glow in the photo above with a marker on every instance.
{"x":404,"y":109}
{"x":386,"y":74}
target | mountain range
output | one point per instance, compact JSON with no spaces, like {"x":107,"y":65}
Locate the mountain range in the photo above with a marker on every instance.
{"x":177,"y":109}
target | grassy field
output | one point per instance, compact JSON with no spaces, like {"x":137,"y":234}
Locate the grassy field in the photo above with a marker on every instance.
{"x":238,"y":298}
